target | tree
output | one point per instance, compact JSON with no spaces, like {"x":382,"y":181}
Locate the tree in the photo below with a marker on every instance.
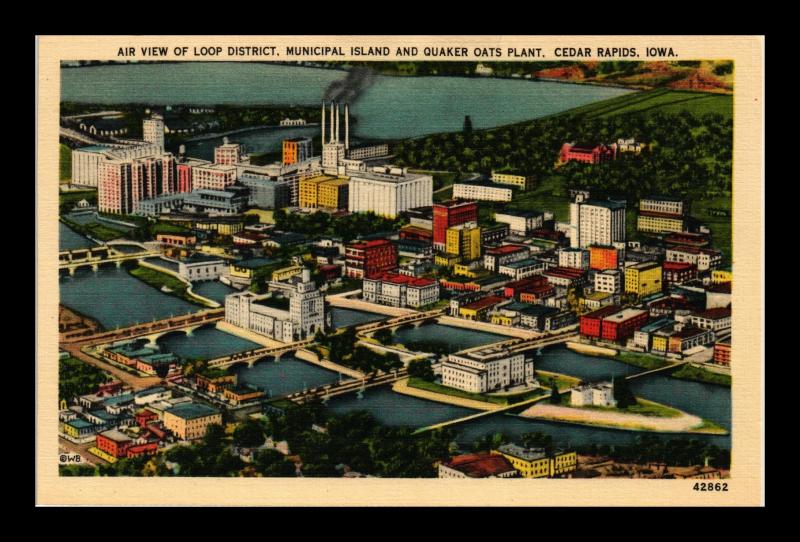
{"x":383,"y":336}
{"x":421,"y":368}
{"x":213,"y":441}
{"x":467,"y":125}
{"x":272,"y":463}
{"x":622,"y":393}
{"x":249,"y":434}
{"x":555,"y":395}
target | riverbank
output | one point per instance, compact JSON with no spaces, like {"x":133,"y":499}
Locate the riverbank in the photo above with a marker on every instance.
{"x":203,"y":137}
{"x":591,"y":350}
{"x":693,"y":373}
{"x":496,"y":329}
{"x":653,"y":417}
{"x":402,"y":386}
{"x":158,"y":278}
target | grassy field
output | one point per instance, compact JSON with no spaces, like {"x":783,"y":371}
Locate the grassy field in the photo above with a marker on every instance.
{"x":721,"y":226}
{"x":157,"y":279}
{"x":698,"y":374}
{"x":421,"y":384}
{"x":662,"y":100}
{"x":645,"y":361}
{"x":95,"y":230}
{"x":64,"y":164}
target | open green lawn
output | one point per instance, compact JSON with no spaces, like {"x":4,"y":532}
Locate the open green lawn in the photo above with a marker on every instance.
{"x":419,"y":383}
{"x":698,"y":374}
{"x":642,"y":407}
{"x":645,"y":361}
{"x":662,"y":100}
{"x":64,"y":163}
{"x":157,"y":279}
{"x":721,"y":226}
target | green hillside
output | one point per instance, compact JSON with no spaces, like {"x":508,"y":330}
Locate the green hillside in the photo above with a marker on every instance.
{"x":660,"y":100}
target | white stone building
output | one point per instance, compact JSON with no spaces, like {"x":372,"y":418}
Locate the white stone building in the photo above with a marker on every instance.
{"x":483,"y":191}
{"x":153,"y":130}
{"x":398,"y":290}
{"x":388,"y":191}
{"x":487,"y":369}
{"x":601,"y":394}
{"x":265,"y":315}
{"x":198,"y":267}
{"x":575,"y":258}
{"x":608,"y":281}
{"x":595,"y":222}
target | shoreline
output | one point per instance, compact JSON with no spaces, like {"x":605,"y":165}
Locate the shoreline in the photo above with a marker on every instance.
{"x":623,"y":420}
{"x":203,"y":137}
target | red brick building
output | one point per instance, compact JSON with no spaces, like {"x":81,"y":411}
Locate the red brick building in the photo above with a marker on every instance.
{"x":620,"y":326}
{"x":448,"y":214}
{"x":143,"y":417}
{"x":722,"y":352}
{"x":677,"y":272}
{"x":515,"y":288}
{"x":113,"y":442}
{"x":535,"y":294}
{"x":370,"y":258}
{"x":587,"y":153}
{"x":592,"y":322}
{"x":148,"y":448}
{"x":415,"y":233}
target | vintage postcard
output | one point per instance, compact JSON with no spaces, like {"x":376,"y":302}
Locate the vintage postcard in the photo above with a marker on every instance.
{"x":400,"y":270}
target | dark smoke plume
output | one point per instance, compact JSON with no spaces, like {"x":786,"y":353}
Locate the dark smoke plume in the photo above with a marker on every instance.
{"x":351,"y":87}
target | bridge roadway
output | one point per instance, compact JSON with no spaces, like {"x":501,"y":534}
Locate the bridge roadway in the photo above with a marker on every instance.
{"x":72,"y":265}
{"x":160,"y":327}
{"x":251,"y":356}
{"x":347,"y":386}
{"x":399,"y":321}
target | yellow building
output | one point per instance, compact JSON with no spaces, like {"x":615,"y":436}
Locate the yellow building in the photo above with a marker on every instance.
{"x":643,"y":278}
{"x":265,"y":216}
{"x":535,"y":463}
{"x":464,"y":240}
{"x":504,"y":320}
{"x":221,"y":227}
{"x":286,"y":273}
{"x":653,"y":223}
{"x":248,"y":269}
{"x":446,"y":260}
{"x":323,"y":191}
{"x":719,"y":276}
{"x":525,"y":182}
{"x":189,"y":421}
{"x":464,"y":270}
{"x":659,"y":343}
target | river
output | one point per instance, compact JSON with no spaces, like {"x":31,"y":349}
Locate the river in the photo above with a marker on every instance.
{"x":391,"y":108}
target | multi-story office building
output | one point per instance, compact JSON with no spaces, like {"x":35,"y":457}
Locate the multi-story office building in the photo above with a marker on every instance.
{"x":266,"y":192}
{"x":398,"y":290}
{"x":608,"y":281}
{"x":298,"y":149}
{"x":368,"y":151}
{"x":514,"y":178}
{"x":297,"y":318}
{"x":365,"y":259}
{"x":213,"y":176}
{"x":153,"y":130}
{"x":389,"y":191}
{"x":184,"y":168}
{"x":324,"y":191}
{"x":595,"y":222}
{"x":216,"y":202}
{"x":122,"y":184}
{"x":603,"y":257}
{"x":536,"y":462}
{"x":644,"y":278}
{"x":451,"y":213}
{"x":483,"y":191}
{"x":487,"y":369}
{"x":575,"y":258}
{"x":663,"y":205}
{"x":522,"y":268}
{"x":228,"y":153}
{"x":464,"y":241}
{"x":494,"y":257}
{"x":491,"y":235}
{"x":703,"y":258}
{"x":189,"y":421}
{"x":678,"y":272}
{"x":522,"y":222}
{"x":659,"y":223}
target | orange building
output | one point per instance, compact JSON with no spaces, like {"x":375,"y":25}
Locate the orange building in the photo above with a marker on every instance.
{"x":603,"y":257}
{"x":722,"y":352}
{"x":296,"y":150}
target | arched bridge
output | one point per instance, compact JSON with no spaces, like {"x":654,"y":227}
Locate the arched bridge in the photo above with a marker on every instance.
{"x":416,"y":319}
{"x":71,"y":260}
{"x":150,"y":330}
{"x":250,"y":357}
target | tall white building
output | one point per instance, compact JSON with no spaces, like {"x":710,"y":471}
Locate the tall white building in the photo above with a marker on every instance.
{"x":487,"y":369}
{"x":86,"y":161}
{"x":595,"y":222}
{"x":153,"y":130}
{"x":265,"y":315}
{"x":388,"y":191}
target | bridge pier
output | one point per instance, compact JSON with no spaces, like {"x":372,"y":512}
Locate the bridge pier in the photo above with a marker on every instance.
{"x":71,"y":271}
{"x":119,"y":264}
{"x":95,"y":267}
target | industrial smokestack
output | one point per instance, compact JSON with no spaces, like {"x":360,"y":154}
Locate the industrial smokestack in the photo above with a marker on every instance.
{"x":332,"y":123}
{"x":337,"y":123}
{"x":323,"y":122}
{"x":346,"y":126}
{"x":182,"y":151}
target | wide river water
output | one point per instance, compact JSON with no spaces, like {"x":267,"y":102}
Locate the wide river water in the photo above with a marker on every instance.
{"x":391,"y":108}
{"x":115,"y":298}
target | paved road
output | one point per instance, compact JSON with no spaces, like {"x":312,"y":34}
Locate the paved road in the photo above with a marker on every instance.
{"x":70,"y":447}
{"x":134,"y":381}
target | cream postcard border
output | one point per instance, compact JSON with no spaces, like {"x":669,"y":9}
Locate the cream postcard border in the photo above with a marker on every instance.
{"x":745,"y":487}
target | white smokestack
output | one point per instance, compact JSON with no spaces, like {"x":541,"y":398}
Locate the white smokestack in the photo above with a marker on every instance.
{"x":332,"y":123}
{"x":337,"y":123}
{"x":323,"y":122}
{"x":346,"y":126}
